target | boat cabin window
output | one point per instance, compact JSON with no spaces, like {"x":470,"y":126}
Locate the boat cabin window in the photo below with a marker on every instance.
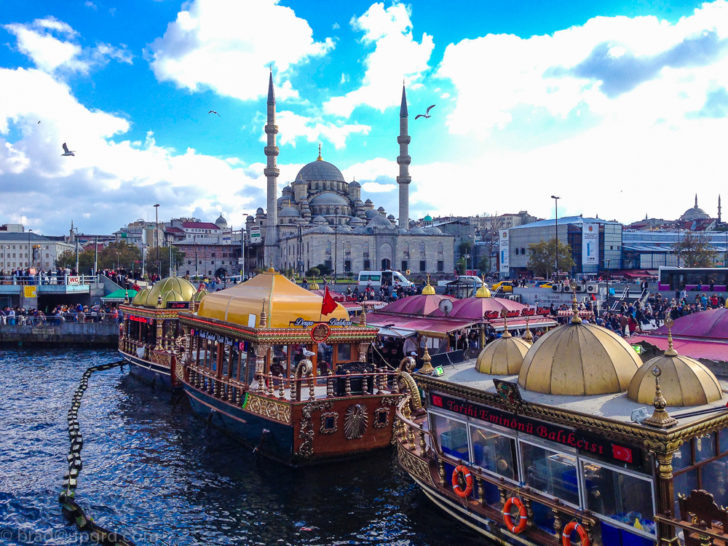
{"x":494,"y":452}
{"x":452,"y":435}
{"x":619,"y":496}
{"x":702,"y":463}
{"x":550,"y":472}
{"x":344,"y":353}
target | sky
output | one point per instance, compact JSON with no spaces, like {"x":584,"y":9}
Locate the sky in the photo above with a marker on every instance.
{"x":620,"y":108}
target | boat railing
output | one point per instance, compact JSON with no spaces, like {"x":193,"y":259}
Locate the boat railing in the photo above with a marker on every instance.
{"x":701,"y":521}
{"x":46,"y":279}
{"x":420,"y":442}
{"x":294,"y":389}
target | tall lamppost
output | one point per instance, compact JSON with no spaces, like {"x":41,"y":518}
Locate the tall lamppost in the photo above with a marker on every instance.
{"x":556,"y":232}
{"x":156,"y":236}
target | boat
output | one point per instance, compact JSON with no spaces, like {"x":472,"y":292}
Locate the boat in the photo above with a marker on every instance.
{"x":571,"y":440}
{"x":285,"y":371}
{"x":150,"y":337}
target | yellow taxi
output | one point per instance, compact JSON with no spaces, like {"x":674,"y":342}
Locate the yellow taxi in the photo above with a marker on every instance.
{"x":503,"y":286}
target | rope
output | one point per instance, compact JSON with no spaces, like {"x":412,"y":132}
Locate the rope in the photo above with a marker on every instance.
{"x":71,"y":510}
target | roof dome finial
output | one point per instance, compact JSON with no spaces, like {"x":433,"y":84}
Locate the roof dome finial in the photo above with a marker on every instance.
{"x":659,"y":418}
{"x":527,"y":335}
{"x":575,"y":318}
{"x":504,"y":314}
{"x":428,"y":289}
{"x":483,"y":291}
{"x":319,"y":158}
{"x":670,"y":351}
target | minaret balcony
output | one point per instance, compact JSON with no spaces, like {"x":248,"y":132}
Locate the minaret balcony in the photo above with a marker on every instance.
{"x":271,"y":150}
{"x":271,"y":171}
{"x":403,"y":139}
{"x":404,"y":179}
{"x":404,"y":160}
{"x":271,"y":129}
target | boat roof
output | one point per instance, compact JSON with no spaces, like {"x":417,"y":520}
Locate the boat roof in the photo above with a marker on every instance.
{"x":614,"y":407}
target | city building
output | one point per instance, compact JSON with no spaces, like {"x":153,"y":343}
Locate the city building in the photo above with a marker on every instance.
{"x":320,"y":218}
{"x":28,"y":250}
{"x":651,"y":249}
{"x":596,"y":244}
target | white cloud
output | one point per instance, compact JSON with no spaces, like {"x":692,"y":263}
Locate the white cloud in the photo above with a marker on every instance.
{"x":107,"y":174}
{"x":627,"y":70}
{"x":51,"y":54}
{"x":396,"y":56}
{"x":227,"y":45}
{"x":293,"y":126}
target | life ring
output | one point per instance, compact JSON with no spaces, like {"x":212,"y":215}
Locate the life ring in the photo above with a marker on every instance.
{"x":459,"y":475}
{"x":570,"y":528}
{"x":508,"y":518}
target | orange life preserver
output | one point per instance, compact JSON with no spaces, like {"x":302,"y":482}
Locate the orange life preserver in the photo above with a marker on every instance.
{"x":461,"y":491}
{"x":570,"y":528}
{"x":508,"y":519}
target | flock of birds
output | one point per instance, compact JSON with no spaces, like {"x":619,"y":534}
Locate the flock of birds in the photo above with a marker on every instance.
{"x":67,"y":152}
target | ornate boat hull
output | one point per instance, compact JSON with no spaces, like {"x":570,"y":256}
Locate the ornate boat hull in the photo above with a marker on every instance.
{"x":157,"y":373}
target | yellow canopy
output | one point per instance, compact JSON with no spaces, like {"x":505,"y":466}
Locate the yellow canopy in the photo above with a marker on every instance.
{"x":284,"y":300}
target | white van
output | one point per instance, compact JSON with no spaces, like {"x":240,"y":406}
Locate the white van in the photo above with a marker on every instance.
{"x":376,"y":278}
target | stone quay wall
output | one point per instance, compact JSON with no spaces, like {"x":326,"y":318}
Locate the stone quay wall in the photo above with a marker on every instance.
{"x":104,"y":334}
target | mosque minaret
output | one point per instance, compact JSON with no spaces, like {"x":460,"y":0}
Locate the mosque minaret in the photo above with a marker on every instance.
{"x":403,"y":160}
{"x":271,"y":173}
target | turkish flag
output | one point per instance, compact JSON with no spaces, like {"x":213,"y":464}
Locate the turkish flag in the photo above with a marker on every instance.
{"x":328,"y":305}
{"x":622,"y":453}
{"x":436,"y":401}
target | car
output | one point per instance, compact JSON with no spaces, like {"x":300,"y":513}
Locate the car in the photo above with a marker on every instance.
{"x":503,"y":286}
{"x":544,"y":284}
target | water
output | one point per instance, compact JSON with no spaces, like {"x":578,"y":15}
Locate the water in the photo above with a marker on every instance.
{"x":156,"y":474}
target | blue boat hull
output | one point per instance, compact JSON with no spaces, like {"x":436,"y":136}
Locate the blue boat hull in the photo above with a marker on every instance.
{"x":149,"y":372}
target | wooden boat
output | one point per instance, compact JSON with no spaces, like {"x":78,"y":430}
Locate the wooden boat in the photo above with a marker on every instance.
{"x":150,"y":337}
{"x":266,"y":363}
{"x":572,"y":440}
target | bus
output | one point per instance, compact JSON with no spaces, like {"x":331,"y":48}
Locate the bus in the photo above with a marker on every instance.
{"x":693,"y":278}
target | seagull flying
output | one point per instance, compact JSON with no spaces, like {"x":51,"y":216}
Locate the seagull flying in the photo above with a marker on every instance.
{"x":426,"y":114}
{"x":66,"y":151}
{"x":213,"y":112}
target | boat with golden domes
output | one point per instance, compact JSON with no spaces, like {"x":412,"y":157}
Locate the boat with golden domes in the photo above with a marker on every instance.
{"x":286,"y":371}
{"x":150,"y":337}
{"x":572,"y":440}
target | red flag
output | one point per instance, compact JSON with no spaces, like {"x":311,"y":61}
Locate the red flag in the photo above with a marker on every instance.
{"x":622,"y":453}
{"x":328,"y":305}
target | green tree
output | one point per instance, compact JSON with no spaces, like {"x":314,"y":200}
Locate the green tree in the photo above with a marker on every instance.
{"x":324,"y":269}
{"x":313,"y":272}
{"x":542,"y":257}
{"x":120,"y":255}
{"x":85,"y":260}
{"x":461,"y":265}
{"x":164,"y":254}
{"x":484,"y":264}
{"x":694,"y":250}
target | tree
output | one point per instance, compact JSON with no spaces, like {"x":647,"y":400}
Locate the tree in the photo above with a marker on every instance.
{"x":120,"y":255}
{"x":324,"y":269}
{"x":85,"y":260}
{"x":542,"y":257}
{"x":694,"y":250}
{"x":484,"y":264}
{"x":151,"y":262}
{"x":461,"y":266}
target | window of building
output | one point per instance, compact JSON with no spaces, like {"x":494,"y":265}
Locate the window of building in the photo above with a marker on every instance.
{"x":367,"y":264}
{"x":404,"y":265}
{"x":423,"y":266}
{"x":347,"y":265}
{"x":440,"y":266}
{"x":550,"y":472}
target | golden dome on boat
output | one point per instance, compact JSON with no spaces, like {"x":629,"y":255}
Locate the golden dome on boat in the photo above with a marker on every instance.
{"x":483,"y":291}
{"x":284,"y":302}
{"x":428,"y":289}
{"x":169,"y":289}
{"x":504,"y":356}
{"x":684,"y":381}
{"x":579,"y":359}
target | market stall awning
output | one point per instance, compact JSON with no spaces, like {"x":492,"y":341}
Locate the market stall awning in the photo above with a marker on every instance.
{"x":709,"y":350}
{"x":520,"y":323}
{"x":430,"y":327}
{"x":119,"y":295}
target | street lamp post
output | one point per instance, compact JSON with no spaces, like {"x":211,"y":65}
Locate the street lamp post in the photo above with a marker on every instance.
{"x":156,"y":236}
{"x":556,"y":232}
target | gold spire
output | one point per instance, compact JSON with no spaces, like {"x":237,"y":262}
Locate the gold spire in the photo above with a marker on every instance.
{"x":506,"y":333}
{"x":527,"y":335}
{"x":670,"y":349}
{"x":659,"y":418}
{"x":363,"y":316}
{"x":319,"y":158}
{"x":426,"y":362}
{"x":428,"y":290}
{"x":575,"y":318}
{"x":483,"y":291}
{"x":263,"y":317}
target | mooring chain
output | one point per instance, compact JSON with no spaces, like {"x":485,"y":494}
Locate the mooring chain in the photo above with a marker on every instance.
{"x":71,"y":510}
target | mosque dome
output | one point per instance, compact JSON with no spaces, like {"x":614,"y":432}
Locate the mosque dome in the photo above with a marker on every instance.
{"x":329,"y":198}
{"x":427,"y":218}
{"x":368,"y":202}
{"x":320,"y":170}
{"x":259,"y":210}
{"x":380,"y":222}
{"x":417,"y":231}
{"x":579,"y":359}
{"x":504,"y":356}
{"x":371,"y":213}
{"x":354,"y":184}
{"x":221,"y":222}
{"x":694,"y":213}
{"x":683,"y":380}
{"x":289,"y":212}
{"x":356,"y":221}
{"x":432,"y":230}
{"x":319,"y":220}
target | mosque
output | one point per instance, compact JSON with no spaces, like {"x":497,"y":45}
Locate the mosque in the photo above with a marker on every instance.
{"x":320,"y":218}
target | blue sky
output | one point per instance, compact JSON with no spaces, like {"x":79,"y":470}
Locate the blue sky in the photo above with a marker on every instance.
{"x":618,"y":107}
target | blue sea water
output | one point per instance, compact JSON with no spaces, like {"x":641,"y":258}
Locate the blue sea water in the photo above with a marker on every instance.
{"x":158,"y":475}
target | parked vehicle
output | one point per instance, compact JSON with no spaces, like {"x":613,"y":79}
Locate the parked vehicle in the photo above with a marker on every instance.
{"x":388,"y":277}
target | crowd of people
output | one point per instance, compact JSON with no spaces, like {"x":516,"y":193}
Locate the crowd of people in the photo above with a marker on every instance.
{"x":60,"y":313}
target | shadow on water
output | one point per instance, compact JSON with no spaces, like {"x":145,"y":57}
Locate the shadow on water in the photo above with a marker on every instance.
{"x":156,"y":473}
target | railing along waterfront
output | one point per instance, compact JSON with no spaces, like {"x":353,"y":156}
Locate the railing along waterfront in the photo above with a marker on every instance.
{"x":56,"y":320}
{"x":49,"y":279}
{"x":419,"y":442}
